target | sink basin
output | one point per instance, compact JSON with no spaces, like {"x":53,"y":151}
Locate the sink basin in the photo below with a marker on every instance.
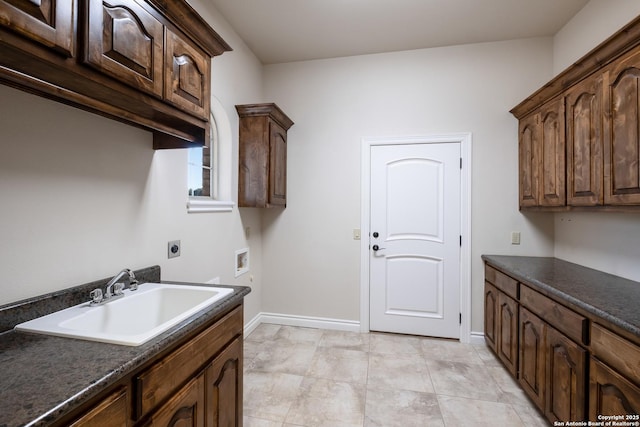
{"x":131,"y":320}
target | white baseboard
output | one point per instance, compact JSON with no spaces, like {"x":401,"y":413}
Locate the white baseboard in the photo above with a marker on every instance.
{"x":302,"y":321}
{"x":476,"y":338}
{"x":321,"y":323}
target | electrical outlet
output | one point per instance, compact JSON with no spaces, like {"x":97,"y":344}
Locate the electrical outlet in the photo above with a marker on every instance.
{"x":173,"y":249}
{"x":515,"y":237}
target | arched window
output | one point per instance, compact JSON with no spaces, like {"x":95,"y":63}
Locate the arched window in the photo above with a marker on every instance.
{"x":209,"y":167}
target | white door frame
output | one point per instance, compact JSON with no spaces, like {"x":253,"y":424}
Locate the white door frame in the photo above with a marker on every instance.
{"x":465,"y":218}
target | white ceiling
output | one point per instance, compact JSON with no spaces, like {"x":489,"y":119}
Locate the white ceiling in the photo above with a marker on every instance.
{"x":295,"y":30}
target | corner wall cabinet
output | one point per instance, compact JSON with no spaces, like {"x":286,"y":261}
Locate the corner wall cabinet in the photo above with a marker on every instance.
{"x":263,"y":156}
{"x":573,"y":365}
{"x":145,"y":63}
{"x":578,"y":135}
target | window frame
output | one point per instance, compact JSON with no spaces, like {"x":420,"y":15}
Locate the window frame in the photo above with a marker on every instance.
{"x":220,"y":144}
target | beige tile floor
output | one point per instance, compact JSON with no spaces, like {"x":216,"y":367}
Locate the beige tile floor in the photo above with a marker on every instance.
{"x":320,"y":378}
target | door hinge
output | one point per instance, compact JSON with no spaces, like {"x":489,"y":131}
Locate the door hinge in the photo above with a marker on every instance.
{"x":461,"y":240}
{"x":460,"y":162}
{"x":461,"y":318}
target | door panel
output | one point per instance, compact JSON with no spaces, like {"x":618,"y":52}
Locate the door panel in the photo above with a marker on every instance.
{"x":415,"y":209}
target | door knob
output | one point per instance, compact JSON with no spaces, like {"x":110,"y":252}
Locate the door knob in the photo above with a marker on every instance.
{"x":376,"y":248}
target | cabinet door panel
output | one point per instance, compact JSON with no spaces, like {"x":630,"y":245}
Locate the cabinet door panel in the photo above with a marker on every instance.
{"x":532,"y":356}
{"x":125,"y":41}
{"x":224,"y":388}
{"x":552,"y":146}
{"x":185,"y":409}
{"x":621,"y":132}
{"x":490,"y":315}
{"x":278,"y":165}
{"x":48,"y":22}
{"x":584,"y":143}
{"x":566,"y":378}
{"x":610,"y":393}
{"x":507,"y":336}
{"x":187,"y":76}
{"x":528,"y":147}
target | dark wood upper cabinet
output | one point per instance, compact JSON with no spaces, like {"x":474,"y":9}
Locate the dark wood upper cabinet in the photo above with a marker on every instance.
{"x":145,"y":63}
{"x":542,"y":156}
{"x":262,"y":156}
{"x":47,"y":22}
{"x":528,"y":158}
{"x":584,"y":143}
{"x":552,"y":156}
{"x":126,"y":42}
{"x":621,"y":133}
{"x":187,"y":76}
{"x":594,"y":106}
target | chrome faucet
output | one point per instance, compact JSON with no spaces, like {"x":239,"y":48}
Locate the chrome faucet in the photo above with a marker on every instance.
{"x":114,"y":289}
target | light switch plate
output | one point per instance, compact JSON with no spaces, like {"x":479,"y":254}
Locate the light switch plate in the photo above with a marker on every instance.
{"x":356,"y":234}
{"x":515,"y":237}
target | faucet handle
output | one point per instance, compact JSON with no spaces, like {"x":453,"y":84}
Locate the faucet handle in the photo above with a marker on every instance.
{"x":133,"y":285}
{"x":118,"y":288}
{"x":96,"y":296}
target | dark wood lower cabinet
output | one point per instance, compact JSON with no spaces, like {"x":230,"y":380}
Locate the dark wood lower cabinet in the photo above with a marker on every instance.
{"x":507,"y":338}
{"x":610,"y":393}
{"x":570,"y":366}
{"x":490,"y":315}
{"x":532,"y":356}
{"x":185,"y":409}
{"x":566,"y":379}
{"x":224,"y":388}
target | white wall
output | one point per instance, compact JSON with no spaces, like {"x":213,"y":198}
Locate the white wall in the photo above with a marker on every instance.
{"x":604,"y":241}
{"x":311,"y":263}
{"x":82,"y":197}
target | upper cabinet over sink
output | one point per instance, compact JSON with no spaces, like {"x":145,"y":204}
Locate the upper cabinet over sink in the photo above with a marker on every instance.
{"x":579,"y":134}
{"x":145,"y":63}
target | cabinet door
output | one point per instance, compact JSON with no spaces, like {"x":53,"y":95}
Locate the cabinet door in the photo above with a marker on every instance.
{"x":610,"y":393}
{"x":113,"y":411}
{"x":621,"y":132}
{"x":224,"y":388}
{"x":552,"y":154}
{"x":490,"y":315}
{"x":277,"y":165}
{"x":566,"y":378}
{"x":584,"y":143}
{"x":185,"y":409}
{"x":529,"y":147}
{"x":532,"y":356}
{"x":507,"y":336}
{"x":48,"y":22}
{"x":187,"y":76}
{"x":125,"y":41}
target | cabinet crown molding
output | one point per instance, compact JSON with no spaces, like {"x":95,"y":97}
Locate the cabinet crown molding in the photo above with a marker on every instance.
{"x":618,"y":44}
{"x":267,"y":109}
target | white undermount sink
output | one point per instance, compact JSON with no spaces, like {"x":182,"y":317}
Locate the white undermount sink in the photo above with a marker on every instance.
{"x":130,"y":320}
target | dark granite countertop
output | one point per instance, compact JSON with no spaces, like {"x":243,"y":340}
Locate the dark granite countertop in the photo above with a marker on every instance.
{"x":602,"y":295}
{"x":43,"y":377}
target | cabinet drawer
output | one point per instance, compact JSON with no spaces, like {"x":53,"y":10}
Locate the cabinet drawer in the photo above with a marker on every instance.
{"x":114,"y":409}
{"x":617,"y":352}
{"x":501,"y":281}
{"x":565,"y":320}
{"x":162,"y":379}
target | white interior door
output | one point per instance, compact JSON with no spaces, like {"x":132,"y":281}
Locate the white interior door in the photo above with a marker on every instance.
{"x":414,"y":268}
